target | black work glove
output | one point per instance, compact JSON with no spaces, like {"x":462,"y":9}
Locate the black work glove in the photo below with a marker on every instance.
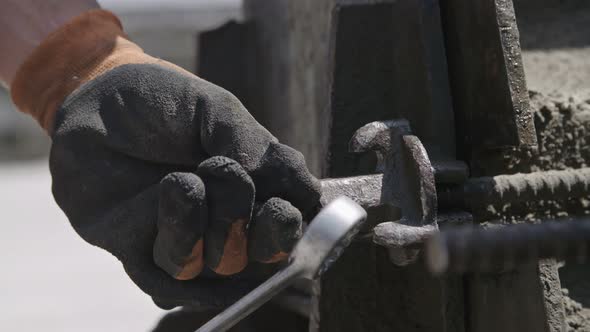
{"x":163,"y":169}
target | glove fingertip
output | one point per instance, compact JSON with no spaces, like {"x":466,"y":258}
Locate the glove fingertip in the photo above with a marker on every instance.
{"x":182,"y":218}
{"x":276,"y":228}
{"x":223,"y":167}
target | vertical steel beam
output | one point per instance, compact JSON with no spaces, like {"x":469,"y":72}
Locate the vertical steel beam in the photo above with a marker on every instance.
{"x":486,"y":71}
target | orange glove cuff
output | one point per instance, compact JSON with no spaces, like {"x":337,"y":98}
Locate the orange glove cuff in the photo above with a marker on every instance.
{"x":84,"y":48}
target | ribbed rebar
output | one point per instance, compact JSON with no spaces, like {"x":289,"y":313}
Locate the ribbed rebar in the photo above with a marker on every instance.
{"x":548,"y":185}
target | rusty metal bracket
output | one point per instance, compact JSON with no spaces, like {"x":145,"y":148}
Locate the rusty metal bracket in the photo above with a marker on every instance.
{"x":408,"y":183}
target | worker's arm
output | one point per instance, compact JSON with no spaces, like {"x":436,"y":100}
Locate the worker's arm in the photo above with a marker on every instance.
{"x":25,"y":23}
{"x":166,"y":171}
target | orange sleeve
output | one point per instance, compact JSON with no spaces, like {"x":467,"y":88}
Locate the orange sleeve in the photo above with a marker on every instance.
{"x":82,"y":49}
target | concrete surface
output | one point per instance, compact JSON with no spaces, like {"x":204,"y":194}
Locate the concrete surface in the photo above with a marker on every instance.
{"x":179,"y":15}
{"x":559,"y":70}
{"x":555,"y":38}
{"x":51,"y":280}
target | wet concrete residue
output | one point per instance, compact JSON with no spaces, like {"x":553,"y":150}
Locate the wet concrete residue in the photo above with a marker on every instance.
{"x":562,"y":124}
{"x":563,"y":133}
{"x":576,"y":298}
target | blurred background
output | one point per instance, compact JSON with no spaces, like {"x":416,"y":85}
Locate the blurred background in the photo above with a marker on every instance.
{"x":46,"y":267}
{"x":50,"y":279}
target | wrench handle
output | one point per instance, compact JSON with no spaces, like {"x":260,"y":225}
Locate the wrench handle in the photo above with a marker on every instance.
{"x":252,"y":301}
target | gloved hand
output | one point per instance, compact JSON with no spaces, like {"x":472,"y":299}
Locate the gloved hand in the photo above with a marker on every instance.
{"x":166,"y":171}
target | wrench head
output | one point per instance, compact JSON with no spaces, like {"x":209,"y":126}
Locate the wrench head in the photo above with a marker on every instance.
{"x":328,"y":234}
